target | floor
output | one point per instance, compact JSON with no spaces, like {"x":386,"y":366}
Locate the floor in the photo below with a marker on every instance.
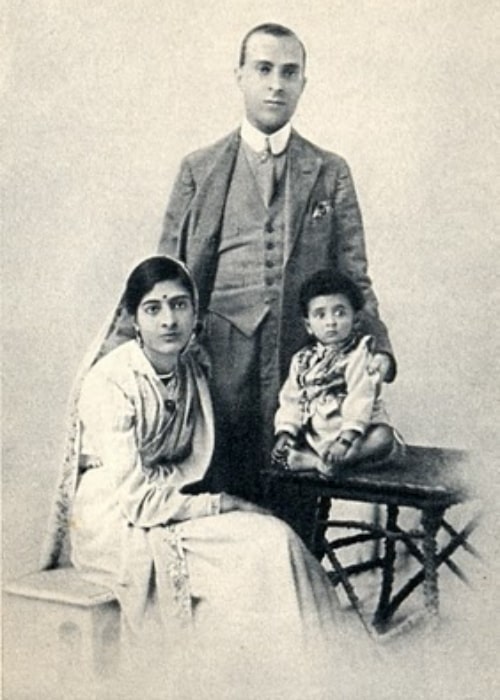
{"x":457,"y":658}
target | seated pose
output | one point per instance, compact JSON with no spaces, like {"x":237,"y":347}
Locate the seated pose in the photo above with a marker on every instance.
{"x":181,"y":559}
{"x":330,"y":412}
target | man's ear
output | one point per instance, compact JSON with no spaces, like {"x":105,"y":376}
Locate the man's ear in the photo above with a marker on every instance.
{"x":237,"y":75}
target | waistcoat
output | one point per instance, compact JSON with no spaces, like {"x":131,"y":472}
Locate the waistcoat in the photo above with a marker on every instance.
{"x":250,"y":257}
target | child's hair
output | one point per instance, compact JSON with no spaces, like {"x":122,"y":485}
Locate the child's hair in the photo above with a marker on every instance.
{"x":326,"y":282}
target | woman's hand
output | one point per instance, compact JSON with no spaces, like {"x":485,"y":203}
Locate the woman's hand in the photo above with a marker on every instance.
{"x":230,"y":503}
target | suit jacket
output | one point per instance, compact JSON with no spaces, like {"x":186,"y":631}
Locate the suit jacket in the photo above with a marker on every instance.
{"x":323,"y":229}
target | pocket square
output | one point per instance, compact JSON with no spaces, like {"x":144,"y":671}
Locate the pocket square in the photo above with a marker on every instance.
{"x":322,"y":208}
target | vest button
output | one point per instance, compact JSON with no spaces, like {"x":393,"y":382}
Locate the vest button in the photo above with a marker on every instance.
{"x":269,"y":245}
{"x":268,"y":281}
{"x":268,"y":227}
{"x":269,"y":263}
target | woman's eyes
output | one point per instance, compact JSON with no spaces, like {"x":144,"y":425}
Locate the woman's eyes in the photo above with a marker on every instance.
{"x":182,"y":304}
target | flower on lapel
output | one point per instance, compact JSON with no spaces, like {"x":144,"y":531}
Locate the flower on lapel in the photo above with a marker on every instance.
{"x":322,"y":208}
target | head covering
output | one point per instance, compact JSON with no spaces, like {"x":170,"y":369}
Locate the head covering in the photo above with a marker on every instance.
{"x":118,"y":329}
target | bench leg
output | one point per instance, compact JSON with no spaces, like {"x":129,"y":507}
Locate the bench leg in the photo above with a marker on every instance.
{"x":431,"y":522}
{"x":382,"y":612}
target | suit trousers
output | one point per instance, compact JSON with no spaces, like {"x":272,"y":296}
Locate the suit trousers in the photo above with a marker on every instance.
{"x":245,"y":386}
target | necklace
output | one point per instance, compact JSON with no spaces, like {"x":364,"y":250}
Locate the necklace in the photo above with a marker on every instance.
{"x":167,"y":376}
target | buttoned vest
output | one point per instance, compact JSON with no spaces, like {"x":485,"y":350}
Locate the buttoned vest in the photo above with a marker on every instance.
{"x":250,"y":257}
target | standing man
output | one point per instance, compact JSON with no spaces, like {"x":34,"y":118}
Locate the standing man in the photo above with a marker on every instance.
{"x":253,"y":215}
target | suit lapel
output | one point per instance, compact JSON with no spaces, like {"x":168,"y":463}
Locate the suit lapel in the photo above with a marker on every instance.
{"x":303,"y":169}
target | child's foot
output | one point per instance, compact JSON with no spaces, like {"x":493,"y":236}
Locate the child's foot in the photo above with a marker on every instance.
{"x":303,"y":461}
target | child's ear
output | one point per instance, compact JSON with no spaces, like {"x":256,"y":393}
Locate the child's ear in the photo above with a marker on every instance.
{"x":308,"y":326}
{"x":356,"y":320}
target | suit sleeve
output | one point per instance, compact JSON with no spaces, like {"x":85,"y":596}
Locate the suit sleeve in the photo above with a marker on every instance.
{"x":183,"y":191}
{"x":352,"y":260}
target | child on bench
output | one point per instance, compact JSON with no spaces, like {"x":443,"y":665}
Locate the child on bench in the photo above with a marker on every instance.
{"x":330,"y":412}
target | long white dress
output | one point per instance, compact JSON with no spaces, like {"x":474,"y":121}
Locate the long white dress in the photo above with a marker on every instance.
{"x":259,"y":604}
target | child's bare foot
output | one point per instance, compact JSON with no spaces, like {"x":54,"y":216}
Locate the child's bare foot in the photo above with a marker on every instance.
{"x":300,"y":460}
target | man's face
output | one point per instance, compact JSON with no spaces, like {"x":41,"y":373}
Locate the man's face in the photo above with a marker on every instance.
{"x":272,"y":80}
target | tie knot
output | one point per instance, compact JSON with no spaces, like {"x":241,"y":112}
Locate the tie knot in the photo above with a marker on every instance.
{"x":267,"y":153}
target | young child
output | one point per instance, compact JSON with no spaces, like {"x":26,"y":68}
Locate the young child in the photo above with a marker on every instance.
{"x":330,"y":412}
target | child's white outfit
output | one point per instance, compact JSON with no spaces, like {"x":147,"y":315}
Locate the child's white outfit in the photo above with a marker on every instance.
{"x":329,"y":390}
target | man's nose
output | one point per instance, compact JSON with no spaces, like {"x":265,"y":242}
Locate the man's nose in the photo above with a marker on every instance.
{"x":276,"y":81}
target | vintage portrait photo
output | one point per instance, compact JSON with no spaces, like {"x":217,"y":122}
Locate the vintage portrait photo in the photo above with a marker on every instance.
{"x":250,"y":349}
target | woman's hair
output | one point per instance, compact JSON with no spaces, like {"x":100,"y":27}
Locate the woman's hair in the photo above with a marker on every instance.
{"x":326,"y":282}
{"x":151,"y":271}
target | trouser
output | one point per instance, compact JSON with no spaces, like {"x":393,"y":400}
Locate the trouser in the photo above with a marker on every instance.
{"x":245,"y":385}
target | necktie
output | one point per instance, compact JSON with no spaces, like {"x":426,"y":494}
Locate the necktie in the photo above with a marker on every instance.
{"x":266,"y":174}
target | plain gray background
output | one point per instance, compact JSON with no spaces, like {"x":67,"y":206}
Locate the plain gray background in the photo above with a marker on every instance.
{"x":101,"y":100}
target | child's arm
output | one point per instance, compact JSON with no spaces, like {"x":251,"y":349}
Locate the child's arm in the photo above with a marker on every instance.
{"x":357,"y":407}
{"x":288,"y":418}
{"x":362,"y":390}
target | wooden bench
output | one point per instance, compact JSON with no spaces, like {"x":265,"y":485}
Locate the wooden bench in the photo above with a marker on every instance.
{"x":426,"y":478}
{"x":79,"y":619}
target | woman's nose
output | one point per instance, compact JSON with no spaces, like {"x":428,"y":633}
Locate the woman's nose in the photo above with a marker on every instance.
{"x":167,"y":317}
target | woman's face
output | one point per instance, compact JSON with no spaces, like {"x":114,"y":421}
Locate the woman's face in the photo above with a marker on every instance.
{"x":165,"y":318}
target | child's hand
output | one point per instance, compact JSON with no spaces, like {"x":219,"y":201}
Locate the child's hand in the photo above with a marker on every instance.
{"x":280,"y":450}
{"x":334,"y":453}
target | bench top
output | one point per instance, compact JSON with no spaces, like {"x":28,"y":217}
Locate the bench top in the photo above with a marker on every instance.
{"x":421,"y":477}
{"x":64,"y":585}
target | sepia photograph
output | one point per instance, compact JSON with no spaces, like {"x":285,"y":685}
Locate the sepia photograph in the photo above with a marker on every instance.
{"x":250,"y":349}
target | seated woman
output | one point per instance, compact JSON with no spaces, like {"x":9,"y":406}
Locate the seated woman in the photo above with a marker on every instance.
{"x":177,"y":558}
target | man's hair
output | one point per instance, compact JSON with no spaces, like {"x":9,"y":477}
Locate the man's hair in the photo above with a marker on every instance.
{"x":325,"y":283}
{"x":277,"y":30}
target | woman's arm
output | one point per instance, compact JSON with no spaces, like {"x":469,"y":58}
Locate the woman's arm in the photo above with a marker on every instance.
{"x":108,"y":419}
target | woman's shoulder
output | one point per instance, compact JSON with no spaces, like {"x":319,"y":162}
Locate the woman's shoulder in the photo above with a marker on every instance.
{"x":118,"y":365}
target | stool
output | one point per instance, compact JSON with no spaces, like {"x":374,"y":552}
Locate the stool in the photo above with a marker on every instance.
{"x":428,"y":479}
{"x":80,"y":621}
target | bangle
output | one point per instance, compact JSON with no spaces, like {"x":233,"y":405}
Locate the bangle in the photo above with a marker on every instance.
{"x":216,"y":504}
{"x":344,"y":441}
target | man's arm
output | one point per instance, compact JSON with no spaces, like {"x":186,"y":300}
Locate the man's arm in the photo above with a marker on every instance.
{"x":183,"y":191}
{"x":351,"y":259}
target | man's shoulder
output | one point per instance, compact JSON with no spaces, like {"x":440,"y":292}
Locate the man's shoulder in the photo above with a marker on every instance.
{"x":208,"y":153}
{"x":303,"y":144}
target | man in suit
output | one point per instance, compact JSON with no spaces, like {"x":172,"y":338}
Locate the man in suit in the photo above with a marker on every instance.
{"x":253,"y":215}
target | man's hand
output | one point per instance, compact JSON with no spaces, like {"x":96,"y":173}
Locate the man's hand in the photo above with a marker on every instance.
{"x":382,"y":365}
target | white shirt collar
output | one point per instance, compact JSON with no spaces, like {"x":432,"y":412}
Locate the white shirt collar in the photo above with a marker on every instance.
{"x":257,"y":140}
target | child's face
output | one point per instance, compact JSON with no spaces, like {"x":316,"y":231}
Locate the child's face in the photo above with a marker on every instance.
{"x":330,"y":318}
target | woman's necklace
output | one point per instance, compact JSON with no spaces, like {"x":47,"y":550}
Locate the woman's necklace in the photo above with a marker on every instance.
{"x":166,"y":376}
